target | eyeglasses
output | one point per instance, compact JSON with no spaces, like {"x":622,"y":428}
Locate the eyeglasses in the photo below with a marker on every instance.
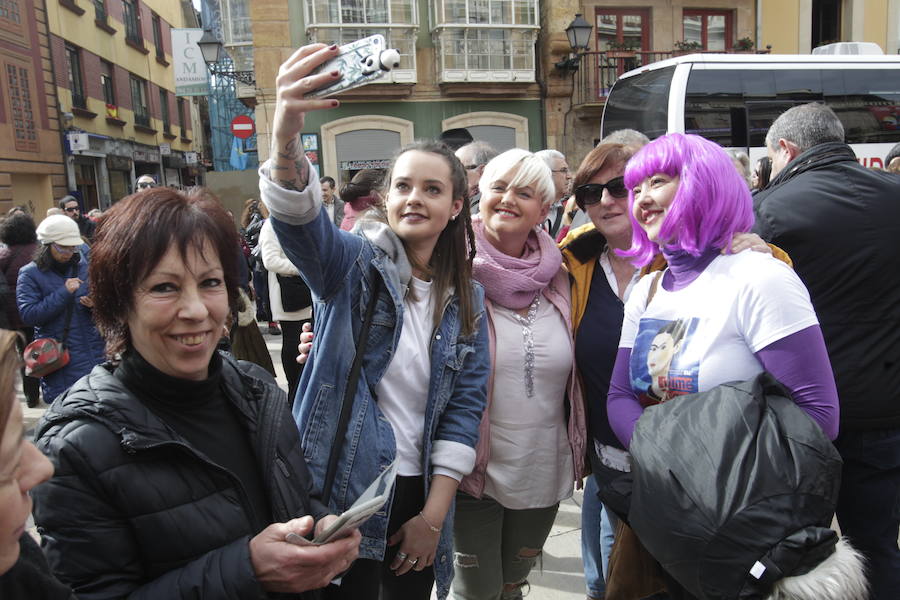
{"x":146,"y":184}
{"x":71,"y":209}
{"x":591,"y":193}
{"x":63,"y":249}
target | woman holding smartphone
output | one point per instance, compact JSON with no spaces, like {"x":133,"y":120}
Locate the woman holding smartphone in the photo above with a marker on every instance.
{"x":423,"y":376}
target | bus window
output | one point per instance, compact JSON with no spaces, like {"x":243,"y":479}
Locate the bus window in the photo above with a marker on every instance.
{"x":640,"y":102}
{"x":869,"y":108}
{"x":714,"y":107}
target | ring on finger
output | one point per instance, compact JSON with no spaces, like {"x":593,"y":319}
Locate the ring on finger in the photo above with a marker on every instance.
{"x":413,"y":561}
{"x":402,"y":555}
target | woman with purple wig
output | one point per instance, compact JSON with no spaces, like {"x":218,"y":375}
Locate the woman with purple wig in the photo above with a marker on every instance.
{"x":742,"y":313}
{"x":739,"y":314}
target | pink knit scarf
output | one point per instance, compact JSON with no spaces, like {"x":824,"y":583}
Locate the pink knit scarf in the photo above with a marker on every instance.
{"x":511,"y":281}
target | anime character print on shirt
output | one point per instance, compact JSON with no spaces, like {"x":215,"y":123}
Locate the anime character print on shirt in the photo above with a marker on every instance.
{"x":662,"y":365}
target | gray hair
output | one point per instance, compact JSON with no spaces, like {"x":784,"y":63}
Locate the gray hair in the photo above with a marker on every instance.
{"x":482,"y":152}
{"x":806,"y":126}
{"x":626,"y":137}
{"x":549,"y":155}
{"x":532,"y":171}
{"x":741,"y":162}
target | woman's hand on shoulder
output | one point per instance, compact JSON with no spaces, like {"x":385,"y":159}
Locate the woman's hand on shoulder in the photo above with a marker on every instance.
{"x":294,"y":82}
{"x":743,"y":241}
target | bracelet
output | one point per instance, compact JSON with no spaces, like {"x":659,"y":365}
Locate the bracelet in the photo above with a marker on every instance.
{"x":430,"y":526}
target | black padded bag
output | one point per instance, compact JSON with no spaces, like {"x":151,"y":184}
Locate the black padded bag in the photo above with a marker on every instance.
{"x":733,"y":489}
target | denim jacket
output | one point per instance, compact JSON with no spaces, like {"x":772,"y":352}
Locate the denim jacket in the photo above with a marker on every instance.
{"x":341,"y":269}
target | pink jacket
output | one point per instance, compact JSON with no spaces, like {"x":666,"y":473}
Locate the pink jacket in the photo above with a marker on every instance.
{"x":559,"y":294}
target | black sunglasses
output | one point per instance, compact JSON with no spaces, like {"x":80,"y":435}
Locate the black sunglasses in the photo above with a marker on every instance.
{"x":591,"y":193}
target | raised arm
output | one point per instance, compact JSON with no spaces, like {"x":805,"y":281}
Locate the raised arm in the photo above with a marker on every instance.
{"x":308,"y":238}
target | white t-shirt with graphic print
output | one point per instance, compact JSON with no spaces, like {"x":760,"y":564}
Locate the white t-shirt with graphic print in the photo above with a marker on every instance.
{"x":706,"y":334}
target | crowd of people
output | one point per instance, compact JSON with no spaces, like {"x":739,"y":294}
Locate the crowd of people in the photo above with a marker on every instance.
{"x":496,"y":329}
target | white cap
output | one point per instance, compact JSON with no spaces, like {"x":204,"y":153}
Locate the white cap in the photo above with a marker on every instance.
{"x":59,"y":229}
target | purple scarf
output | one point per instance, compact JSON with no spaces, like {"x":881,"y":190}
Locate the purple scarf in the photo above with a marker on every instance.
{"x":510,"y":281}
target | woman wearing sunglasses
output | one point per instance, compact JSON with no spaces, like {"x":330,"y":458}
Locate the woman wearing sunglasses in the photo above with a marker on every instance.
{"x":601,"y":284}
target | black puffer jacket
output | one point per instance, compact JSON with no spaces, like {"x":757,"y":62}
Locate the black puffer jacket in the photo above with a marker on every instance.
{"x":134,"y":511}
{"x":840,"y":223}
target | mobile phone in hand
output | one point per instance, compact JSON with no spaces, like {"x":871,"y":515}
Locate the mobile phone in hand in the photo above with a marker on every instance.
{"x":360,"y":62}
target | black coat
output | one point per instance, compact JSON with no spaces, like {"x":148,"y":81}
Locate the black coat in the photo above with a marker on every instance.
{"x":30,"y":578}
{"x":133,"y":510}
{"x":840,"y":223}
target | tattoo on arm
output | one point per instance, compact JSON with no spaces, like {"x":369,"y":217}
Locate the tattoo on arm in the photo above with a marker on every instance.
{"x":286,"y":158}
{"x":289,"y":184}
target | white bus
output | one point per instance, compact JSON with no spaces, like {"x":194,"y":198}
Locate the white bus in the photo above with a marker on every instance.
{"x":732,"y":99}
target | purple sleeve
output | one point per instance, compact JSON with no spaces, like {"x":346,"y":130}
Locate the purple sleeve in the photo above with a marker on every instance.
{"x":800,"y":363}
{"x":622,"y":406}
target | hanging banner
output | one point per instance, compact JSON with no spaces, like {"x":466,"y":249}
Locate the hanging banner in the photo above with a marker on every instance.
{"x":190,"y":68}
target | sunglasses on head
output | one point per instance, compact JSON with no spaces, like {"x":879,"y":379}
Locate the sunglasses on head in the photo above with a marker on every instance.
{"x":591,"y":193}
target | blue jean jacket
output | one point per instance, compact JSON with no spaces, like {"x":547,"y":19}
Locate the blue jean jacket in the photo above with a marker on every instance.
{"x":341,"y":269}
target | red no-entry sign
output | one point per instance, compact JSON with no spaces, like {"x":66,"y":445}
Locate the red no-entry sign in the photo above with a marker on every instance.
{"x":242,"y":127}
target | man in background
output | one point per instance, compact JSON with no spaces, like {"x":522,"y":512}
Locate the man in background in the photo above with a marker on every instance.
{"x":840,"y":223}
{"x":331,"y":202}
{"x":72,"y":209}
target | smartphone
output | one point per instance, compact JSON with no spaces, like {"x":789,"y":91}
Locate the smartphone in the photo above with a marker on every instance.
{"x":360,"y":62}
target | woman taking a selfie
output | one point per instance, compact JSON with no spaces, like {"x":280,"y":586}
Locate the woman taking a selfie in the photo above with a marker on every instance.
{"x":423,"y":372}
{"x":178,"y":470}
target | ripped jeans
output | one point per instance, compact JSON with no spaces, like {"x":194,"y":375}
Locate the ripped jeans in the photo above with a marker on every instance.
{"x":495,"y":546}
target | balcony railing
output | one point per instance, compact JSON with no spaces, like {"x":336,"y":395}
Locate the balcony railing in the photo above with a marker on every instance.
{"x":598,"y":71}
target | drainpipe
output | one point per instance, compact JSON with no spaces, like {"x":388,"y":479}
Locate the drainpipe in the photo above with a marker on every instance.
{"x":758,"y":23}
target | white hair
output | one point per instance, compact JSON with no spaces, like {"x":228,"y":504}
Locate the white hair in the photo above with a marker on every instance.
{"x":841,"y":576}
{"x":532,"y":171}
{"x":549,"y":155}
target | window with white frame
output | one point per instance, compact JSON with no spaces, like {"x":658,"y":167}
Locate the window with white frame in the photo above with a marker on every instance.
{"x":485,"y":40}
{"x":344,"y":21}
{"x":238,"y":34}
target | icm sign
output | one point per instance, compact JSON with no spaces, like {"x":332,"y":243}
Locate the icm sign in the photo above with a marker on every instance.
{"x":190,"y":69}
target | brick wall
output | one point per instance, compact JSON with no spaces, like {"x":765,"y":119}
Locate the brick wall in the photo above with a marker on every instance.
{"x":90,"y":67}
{"x":58,"y":53}
{"x":153,"y":101}
{"x":166,"y":29}
{"x":123,"y":87}
{"x":173,"y":111}
{"x":116,"y":12}
{"x":146,"y":23}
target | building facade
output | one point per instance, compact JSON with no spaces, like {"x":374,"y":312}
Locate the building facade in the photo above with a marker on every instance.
{"x":464,"y":63}
{"x":32,"y":172}
{"x":112,"y":65}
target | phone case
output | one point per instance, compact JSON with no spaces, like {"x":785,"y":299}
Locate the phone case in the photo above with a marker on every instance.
{"x":361,"y":62}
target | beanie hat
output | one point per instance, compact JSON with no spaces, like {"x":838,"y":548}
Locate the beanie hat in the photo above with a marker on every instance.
{"x":59,"y":229}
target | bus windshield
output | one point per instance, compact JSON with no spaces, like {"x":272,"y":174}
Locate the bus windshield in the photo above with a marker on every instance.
{"x":640,"y":102}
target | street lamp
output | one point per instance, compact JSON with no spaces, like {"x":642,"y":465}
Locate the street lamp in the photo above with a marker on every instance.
{"x":218,"y":62}
{"x":579,"y":34}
